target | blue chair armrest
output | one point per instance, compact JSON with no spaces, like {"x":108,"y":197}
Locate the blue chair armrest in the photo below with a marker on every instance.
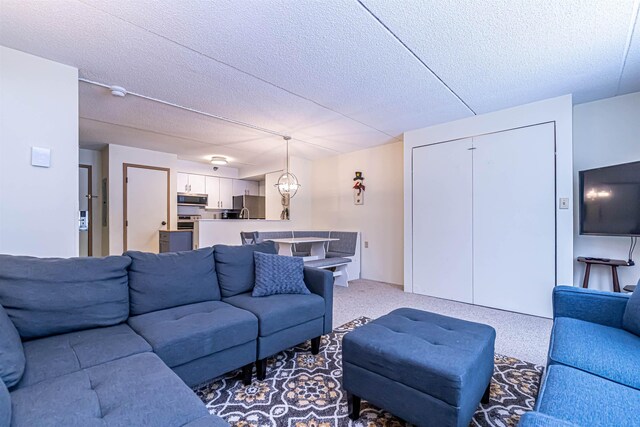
{"x":538,"y":419}
{"x":320,"y":282}
{"x":604,"y":308}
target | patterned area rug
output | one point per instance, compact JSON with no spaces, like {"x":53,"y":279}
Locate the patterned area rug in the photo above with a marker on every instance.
{"x":303,"y":390}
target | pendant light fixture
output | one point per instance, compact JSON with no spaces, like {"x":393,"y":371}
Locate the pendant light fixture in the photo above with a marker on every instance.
{"x":287,"y":183}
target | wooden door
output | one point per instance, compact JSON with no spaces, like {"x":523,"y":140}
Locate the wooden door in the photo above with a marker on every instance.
{"x":146,"y":206}
{"x":442,"y":219}
{"x":514,"y":253}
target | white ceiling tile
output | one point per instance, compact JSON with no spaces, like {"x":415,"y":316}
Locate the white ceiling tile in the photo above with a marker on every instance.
{"x":630,"y":78}
{"x":500,"y":53}
{"x":333,"y":53}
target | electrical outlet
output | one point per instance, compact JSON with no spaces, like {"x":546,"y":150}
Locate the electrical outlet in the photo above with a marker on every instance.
{"x":366,"y":245}
{"x":564,"y":203}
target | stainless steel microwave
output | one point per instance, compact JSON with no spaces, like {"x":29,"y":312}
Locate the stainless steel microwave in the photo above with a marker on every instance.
{"x":190,"y":199}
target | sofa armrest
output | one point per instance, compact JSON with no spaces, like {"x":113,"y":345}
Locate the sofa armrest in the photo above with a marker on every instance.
{"x":604,"y":308}
{"x":320,"y":282}
{"x":538,"y":419}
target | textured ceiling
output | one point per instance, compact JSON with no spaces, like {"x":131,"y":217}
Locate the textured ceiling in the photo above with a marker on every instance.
{"x":337,"y":75}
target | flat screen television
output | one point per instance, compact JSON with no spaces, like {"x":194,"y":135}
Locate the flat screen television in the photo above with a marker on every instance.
{"x":610,"y":200}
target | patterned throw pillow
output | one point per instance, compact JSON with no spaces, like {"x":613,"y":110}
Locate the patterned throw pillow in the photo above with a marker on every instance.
{"x":277,"y":274}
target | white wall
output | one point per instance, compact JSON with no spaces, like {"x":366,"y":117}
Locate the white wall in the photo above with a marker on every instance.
{"x":94,"y":158}
{"x":558,"y":110}
{"x":605,"y":132}
{"x":38,"y":107}
{"x":380,"y":219}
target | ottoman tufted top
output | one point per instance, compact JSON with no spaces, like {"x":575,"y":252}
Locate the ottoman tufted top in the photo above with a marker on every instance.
{"x":435,"y":354}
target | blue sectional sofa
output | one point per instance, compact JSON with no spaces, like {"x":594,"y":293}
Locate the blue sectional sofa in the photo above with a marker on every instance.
{"x":117,"y":341}
{"x":593,"y":370}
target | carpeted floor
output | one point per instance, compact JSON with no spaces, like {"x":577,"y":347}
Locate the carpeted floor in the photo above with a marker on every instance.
{"x":303,"y":390}
{"x":518,"y":335}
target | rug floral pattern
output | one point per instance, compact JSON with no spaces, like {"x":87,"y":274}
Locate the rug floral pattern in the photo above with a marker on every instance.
{"x":303,"y":390}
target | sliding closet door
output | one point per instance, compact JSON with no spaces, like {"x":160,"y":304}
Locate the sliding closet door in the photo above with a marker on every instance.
{"x":442,"y":220}
{"x":514,"y":219}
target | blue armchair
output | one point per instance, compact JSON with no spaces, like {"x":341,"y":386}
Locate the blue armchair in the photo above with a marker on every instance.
{"x":593,"y":369}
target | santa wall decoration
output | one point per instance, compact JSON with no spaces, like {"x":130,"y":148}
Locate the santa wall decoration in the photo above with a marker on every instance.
{"x":358,"y":189}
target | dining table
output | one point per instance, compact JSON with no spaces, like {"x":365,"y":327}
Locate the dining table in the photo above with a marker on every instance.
{"x":318,"y":250}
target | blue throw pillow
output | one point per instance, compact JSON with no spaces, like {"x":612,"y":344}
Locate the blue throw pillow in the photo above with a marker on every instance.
{"x":12,"y":359}
{"x":276,"y":274}
{"x":631,"y":319}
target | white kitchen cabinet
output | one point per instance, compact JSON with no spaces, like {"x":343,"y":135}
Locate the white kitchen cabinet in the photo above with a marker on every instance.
{"x":197,"y":184}
{"x":243,"y":187}
{"x":253,"y":188}
{"x":219,"y":192}
{"x":226,"y":193}
{"x":183,"y":182}
{"x":212,"y":185}
{"x":191,"y":183}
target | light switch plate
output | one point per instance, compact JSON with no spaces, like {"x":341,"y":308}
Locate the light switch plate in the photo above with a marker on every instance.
{"x":40,"y":157}
{"x":564,"y":203}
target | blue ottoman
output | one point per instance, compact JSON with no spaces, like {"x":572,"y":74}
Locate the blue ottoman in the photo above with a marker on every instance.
{"x":428,"y":369}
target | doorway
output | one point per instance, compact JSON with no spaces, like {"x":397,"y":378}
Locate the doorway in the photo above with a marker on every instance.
{"x":86,"y":210}
{"x":146,"y":206}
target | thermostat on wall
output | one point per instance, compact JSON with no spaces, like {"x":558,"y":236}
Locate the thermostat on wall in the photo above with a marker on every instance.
{"x":40,"y":157}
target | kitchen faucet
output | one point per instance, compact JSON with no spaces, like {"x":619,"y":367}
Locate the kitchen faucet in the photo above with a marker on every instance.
{"x":242,"y":213}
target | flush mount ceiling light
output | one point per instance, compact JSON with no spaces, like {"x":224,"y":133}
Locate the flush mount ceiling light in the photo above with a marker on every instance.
{"x":118,"y":91}
{"x":219,"y":160}
{"x":287,"y":184}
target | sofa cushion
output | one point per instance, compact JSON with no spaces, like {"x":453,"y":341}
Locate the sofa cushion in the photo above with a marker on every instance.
{"x":48,"y":296}
{"x":11,"y":351}
{"x":438,"y":355}
{"x":236,"y":268}
{"x":278,"y":312}
{"x":5,"y":405}
{"x":182,"y":334}
{"x":58,"y":355}
{"x":159,"y":281}
{"x":601,"y":350}
{"x":134,"y":391}
{"x":276,"y":274}
{"x":587,"y":400}
{"x":631,"y":319}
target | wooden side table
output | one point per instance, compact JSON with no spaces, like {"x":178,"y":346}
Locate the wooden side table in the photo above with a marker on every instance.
{"x":613,"y":263}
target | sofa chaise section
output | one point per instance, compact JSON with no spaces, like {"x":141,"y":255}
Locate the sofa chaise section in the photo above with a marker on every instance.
{"x":176,"y":307}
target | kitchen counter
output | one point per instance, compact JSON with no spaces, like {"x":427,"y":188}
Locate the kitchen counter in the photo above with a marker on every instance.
{"x":245,"y":220}
{"x":209,"y":232}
